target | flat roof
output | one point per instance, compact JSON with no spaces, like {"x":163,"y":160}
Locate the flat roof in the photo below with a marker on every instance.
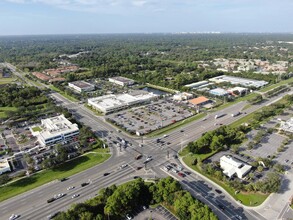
{"x":196,"y":84}
{"x":111,"y":101}
{"x":81,"y":84}
{"x":239,"y":80}
{"x":55,"y":126}
{"x":122,"y":79}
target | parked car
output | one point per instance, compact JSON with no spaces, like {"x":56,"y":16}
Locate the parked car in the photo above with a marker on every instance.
{"x":128,"y":217}
{"x":218,"y":191}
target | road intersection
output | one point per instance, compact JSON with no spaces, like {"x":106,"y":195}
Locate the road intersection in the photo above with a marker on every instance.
{"x":33,"y":204}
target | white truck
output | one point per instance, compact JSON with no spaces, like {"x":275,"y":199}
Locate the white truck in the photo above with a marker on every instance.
{"x":235,"y":114}
{"x":219,"y":115}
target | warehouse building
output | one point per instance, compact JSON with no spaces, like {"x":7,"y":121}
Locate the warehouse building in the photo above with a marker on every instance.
{"x":122,"y":81}
{"x":56,"y":130}
{"x":4,"y":166}
{"x":239,"y":81}
{"x":219,"y":92}
{"x":111,"y":103}
{"x":81,"y":86}
{"x":233,"y":167}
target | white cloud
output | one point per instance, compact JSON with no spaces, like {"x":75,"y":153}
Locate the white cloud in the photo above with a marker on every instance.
{"x":139,"y":3}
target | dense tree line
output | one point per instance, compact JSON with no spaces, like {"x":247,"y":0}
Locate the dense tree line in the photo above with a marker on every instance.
{"x":16,"y":96}
{"x":166,"y":60}
{"x":219,"y":139}
{"x":115,"y":202}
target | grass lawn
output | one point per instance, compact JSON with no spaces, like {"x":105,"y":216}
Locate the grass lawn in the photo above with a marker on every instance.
{"x":3,"y":109}
{"x":248,"y":199}
{"x":162,"y":88}
{"x":6,"y":80}
{"x":63,"y":93}
{"x":67,"y":169}
{"x":176,"y":125}
{"x":276,"y":85}
{"x":36,"y":129}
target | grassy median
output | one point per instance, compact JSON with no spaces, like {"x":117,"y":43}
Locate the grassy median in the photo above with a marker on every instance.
{"x":64,"y":170}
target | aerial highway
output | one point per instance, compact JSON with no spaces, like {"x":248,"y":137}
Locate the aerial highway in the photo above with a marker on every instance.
{"x":33,"y":204}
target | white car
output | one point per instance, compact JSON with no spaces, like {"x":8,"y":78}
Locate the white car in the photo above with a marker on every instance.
{"x":128,"y":217}
{"x":149,"y":158}
{"x":123,"y":166}
{"x":13,"y":216}
{"x":75,"y":195}
{"x":70,"y":187}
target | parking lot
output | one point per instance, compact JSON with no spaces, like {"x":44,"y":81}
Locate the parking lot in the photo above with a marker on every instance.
{"x":149,"y":117}
{"x":159,"y":213}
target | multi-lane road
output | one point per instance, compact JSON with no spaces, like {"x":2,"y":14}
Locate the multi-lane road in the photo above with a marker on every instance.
{"x":33,"y":204}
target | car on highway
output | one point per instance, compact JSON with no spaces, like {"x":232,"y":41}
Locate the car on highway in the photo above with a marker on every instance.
{"x":14,"y":216}
{"x":123,"y":166}
{"x":70,"y":187}
{"x":63,"y":179}
{"x":136,"y":177}
{"x":187,"y":172}
{"x":59,"y":196}
{"x":181,"y":131}
{"x":84,"y":184}
{"x":75,"y":196}
{"x":53,"y":215}
{"x":106,"y":174}
{"x":138,"y":168}
{"x":180,"y":167}
{"x":51,"y":200}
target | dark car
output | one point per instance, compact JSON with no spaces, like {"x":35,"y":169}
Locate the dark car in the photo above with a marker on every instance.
{"x":84,"y":184}
{"x":221,"y":207}
{"x":218,"y":191}
{"x":63,"y":179}
{"x":51,"y":200}
{"x":106,"y":174}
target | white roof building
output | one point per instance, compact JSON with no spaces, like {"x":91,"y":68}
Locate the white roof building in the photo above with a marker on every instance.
{"x":111,"y":103}
{"x":81,"y":86}
{"x":4,"y":166}
{"x":56,"y":130}
{"x":240,"y":89}
{"x":287,"y":125}
{"x":232,"y":167}
{"x":237,"y":80}
{"x":122,"y":81}
{"x":182,"y":96}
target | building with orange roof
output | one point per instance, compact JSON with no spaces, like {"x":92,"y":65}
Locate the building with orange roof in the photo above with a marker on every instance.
{"x":199,"y":101}
{"x":41,"y":76}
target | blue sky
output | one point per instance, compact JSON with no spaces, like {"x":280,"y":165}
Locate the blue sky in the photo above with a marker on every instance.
{"x":22,"y":17}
